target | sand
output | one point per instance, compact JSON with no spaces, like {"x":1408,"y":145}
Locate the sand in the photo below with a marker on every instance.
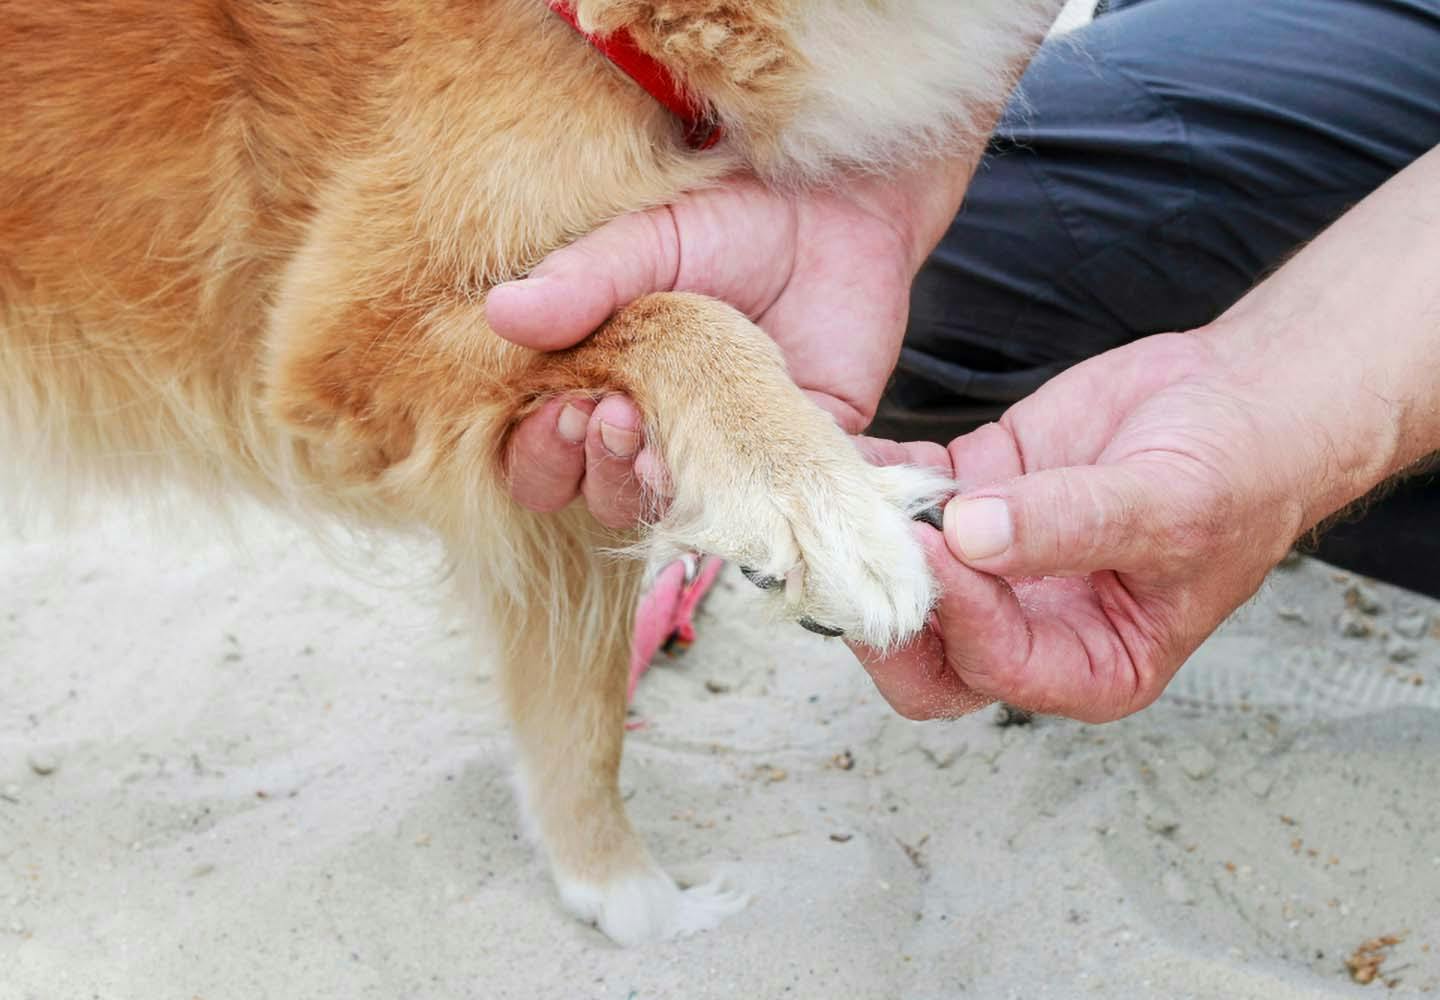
{"x":267,"y":776}
{"x":241,"y":771}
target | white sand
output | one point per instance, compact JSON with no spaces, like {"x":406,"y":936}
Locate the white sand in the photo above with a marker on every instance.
{"x":274,"y":780}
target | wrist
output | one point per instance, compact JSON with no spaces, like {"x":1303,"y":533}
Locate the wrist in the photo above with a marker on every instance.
{"x":919,"y":202}
{"x":1326,"y":440}
{"x":1343,"y":340}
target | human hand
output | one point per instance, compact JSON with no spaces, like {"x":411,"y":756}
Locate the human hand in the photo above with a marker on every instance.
{"x":826,"y":273}
{"x":1109,"y":523}
{"x":1112,"y":520}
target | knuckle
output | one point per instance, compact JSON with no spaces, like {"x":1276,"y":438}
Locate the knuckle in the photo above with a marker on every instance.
{"x":1071,"y":521}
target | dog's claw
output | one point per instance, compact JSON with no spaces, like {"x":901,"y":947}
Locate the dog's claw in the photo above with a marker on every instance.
{"x":933,"y":516}
{"x":761,"y":580}
{"x":811,"y":625}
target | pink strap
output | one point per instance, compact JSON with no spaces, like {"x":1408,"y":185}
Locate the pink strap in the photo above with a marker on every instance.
{"x":666,"y":616}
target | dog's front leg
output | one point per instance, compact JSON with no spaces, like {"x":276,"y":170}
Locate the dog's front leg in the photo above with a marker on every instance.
{"x":567,"y":635}
{"x":758,"y":473}
{"x":403,"y":410}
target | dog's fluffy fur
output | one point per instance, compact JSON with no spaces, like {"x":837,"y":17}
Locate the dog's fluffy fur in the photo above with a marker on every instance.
{"x":247,"y":245}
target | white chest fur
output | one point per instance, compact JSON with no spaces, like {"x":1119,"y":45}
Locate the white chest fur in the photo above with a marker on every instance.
{"x":893,"y":80}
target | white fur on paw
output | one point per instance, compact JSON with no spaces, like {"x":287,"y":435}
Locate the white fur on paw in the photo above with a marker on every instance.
{"x":839,"y":537}
{"x":648,"y":906}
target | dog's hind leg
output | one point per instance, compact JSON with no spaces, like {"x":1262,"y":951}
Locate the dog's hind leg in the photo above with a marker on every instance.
{"x":564,"y":618}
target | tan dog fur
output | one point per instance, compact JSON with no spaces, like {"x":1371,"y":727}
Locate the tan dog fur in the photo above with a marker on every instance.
{"x":247,"y":246}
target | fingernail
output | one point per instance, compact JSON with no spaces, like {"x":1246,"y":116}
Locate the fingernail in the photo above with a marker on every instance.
{"x":618,"y":441}
{"x":978,"y":529}
{"x":572,"y":423}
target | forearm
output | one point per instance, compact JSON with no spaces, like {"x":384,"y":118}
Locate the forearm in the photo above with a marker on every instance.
{"x":1346,"y":338}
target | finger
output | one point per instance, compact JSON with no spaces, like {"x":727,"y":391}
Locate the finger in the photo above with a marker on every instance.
{"x":611,"y":487}
{"x":1028,"y":646}
{"x":1071,"y":521}
{"x":986,"y":455}
{"x":916,"y":681}
{"x":851,"y":418}
{"x":654,"y":480}
{"x":926,"y":454}
{"x":578,"y":287}
{"x":546,"y":455}
{"x":975,"y":634}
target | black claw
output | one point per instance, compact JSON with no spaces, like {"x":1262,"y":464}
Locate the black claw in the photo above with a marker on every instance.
{"x":811,"y":625}
{"x":760,"y":580}
{"x":933,"y":516}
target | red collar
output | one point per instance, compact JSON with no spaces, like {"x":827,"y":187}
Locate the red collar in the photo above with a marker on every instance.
{"x":701,"y":129}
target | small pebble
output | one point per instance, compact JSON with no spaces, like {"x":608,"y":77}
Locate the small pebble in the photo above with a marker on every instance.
{"x":42,"y":763}
{"x":844,"y":760}
{"x":10,"y":793}
{"x":1353,"y":626}
{"x":842,"y":838}
{"x":1362,"y":599}
{"x":1197,"y":762}
{"x":716,"y":687}
{"x":1399,"y":650}
{"x":1289,"y":614}
{"x":1413,"y":626}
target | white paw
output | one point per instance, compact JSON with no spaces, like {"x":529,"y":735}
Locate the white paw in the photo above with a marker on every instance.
{"x":831,"y":542}
{"x":648,"y":906}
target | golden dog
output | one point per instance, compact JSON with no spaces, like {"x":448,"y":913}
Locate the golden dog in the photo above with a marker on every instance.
{"x":247,"y":245}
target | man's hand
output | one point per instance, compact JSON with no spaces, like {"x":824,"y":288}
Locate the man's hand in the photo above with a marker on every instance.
{"x":1110,"y":523}
{"x":826,"y":274}
{"x":1115,"y":518}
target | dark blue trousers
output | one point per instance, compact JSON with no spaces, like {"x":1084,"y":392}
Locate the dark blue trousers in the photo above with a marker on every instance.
{"x":1153,"y":167}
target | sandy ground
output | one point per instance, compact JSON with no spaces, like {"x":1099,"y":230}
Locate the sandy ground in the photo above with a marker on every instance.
{"x":267,"y":776}
{"x":243,"y":772}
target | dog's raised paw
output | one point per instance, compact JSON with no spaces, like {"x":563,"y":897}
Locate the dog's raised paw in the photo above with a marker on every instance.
{"x":830,"y":542}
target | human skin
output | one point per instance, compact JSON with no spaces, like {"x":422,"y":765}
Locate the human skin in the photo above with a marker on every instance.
{"x":1114,"y":519}
{"x":826,"y":274}
{"x":1111,"y":521}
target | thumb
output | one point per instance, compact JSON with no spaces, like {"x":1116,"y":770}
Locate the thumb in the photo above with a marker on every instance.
{"x":1074,"y":521}
{"x":578,"y":287}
